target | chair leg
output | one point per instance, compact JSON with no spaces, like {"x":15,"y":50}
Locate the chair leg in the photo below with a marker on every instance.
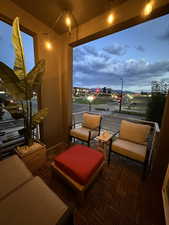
{"x":109,"y":155}
{"x":70,"y":139}
{"x":89,"y":138}
{"x":144,"y":175}
{"x":73,"y":139}
{"x":52,"y":177}
{"x":80,"y":198}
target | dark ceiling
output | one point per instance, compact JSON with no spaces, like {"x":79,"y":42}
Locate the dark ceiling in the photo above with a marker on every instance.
{"x":83,"y":10}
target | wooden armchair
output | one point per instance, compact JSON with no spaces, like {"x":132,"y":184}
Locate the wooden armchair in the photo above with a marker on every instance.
{"x":135,"y":140}
{"x":89,"y":129}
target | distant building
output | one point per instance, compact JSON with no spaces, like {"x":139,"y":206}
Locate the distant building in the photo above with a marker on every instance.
{"x":106,"y":90}
{"x":78,"y":91}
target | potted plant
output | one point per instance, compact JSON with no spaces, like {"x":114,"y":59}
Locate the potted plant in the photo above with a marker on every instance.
{"x":22,"y":85}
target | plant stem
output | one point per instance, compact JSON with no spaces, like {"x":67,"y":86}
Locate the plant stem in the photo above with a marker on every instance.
{"x":30,"y":121}
{"x":23,"y":111}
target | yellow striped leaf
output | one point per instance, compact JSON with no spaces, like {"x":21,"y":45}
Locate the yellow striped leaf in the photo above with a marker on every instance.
{"x":19,"y":66}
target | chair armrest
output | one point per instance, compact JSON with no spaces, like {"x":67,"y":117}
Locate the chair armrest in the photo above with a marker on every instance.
{"x":114,"y":137}
{"x":149,"y":149}
{"x":74,"y":125}
{"x":115,"y":134}
{"x":94,"y":129}
{"x":90,"y":131}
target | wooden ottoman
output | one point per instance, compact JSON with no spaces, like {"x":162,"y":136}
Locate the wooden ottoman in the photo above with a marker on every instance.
{"x":79,"y":165}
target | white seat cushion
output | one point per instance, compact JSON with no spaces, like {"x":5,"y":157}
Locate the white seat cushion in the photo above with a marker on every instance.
{"x":91,"y":121}
{"x":13,"y":173}
{"x":83,"y":133}
{"x":134,"y":132}
{"x":129,"y":149}
{"x":32,"y":204}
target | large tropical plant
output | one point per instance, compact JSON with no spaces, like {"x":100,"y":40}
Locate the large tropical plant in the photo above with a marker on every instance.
{"x":22,"y":85}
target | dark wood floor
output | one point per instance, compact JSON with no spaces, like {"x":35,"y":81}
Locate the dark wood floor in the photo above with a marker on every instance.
{"x":117,"y":197}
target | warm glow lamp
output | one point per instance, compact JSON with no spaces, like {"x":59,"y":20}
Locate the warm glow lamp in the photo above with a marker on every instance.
{"x":90,"y":98}
{"x":68,"y":22}
{"x":48,"y":45}
{"x":148,"y":8}
{"x":110,"y":18}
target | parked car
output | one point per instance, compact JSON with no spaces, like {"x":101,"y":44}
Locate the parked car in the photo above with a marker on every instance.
{"x":133,"y":104}
{"x":14,"y":109}
{"x":11,"y":106}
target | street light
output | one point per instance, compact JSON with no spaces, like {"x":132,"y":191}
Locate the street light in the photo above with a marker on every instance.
{"x":121,"y":95}
{"x":90,"y":98}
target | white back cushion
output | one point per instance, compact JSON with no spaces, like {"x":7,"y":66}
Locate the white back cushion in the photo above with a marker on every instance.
{"x":91,"y":121}
{"x":134,"y":132}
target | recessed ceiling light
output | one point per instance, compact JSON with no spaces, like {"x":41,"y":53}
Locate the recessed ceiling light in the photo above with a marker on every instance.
{"x":110,"y":18}
{"x":148,"y":9}
{"x":68,"y":21}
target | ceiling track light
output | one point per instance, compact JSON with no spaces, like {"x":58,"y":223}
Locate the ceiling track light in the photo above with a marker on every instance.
{"x":69,"y":19}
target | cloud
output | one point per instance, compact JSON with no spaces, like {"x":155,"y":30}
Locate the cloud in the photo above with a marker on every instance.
{"x":165,"y":35}
{"x":91,"y":50}
{"x":101,"y":69}
{"x":78,"y":54}
{"x":116,"y":49}
{"x":140,"y":48}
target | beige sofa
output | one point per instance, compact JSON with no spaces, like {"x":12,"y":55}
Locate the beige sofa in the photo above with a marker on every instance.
{"x":27,"y":200}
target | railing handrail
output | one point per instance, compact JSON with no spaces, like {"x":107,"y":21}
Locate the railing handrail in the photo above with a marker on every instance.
{"x":9,"y":121}
{"x":78,"y":113}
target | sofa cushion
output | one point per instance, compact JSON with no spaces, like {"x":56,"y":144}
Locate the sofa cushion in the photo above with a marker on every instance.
{"x":129,"y":149}
{"x":83,"y":133}
{"x":134,"y":132}
{"x":91,"y":121}
{"x":13,"y":173}
{"x":79,"y":162}
{"x":32,"y":204}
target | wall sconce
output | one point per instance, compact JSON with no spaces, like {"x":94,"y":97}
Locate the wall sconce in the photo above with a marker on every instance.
{"x":48,"y":45}
{"x":47,"y":42}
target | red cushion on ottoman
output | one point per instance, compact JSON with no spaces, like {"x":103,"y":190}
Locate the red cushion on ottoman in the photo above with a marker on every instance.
{"x":79,"y":162}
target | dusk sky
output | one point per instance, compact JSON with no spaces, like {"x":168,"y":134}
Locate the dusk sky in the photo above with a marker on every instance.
{"x":6,"y":48}
{"x":139,"y":55}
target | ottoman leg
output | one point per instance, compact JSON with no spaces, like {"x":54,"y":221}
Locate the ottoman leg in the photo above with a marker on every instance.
{"x":68,"y":217}
{"x":81,"y":197}
{"x":52,"y":176}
